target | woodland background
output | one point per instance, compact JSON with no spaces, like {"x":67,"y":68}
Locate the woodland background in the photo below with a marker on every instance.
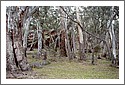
{"x":62,"y":42}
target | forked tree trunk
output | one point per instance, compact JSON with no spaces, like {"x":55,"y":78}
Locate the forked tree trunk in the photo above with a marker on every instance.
{"x":15,"y":24}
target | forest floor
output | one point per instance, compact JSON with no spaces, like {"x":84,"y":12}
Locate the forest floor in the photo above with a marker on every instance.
{"x":76,"y":70}
{"x":62,"y":68}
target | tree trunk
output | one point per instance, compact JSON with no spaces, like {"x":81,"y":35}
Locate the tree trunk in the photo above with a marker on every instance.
{"x":39,"y":33}
{"x":10,"y":60}
{"x":64,"y":26}
{"x":15,"y":26}
{"x":73,"y":42}
{"x":112,"y":35}
{"x":67,"y":44}
{"x":80,"y":34}
{"x":104,"y":51}
{"x":26,"y":35}
{"x":113,"y":40}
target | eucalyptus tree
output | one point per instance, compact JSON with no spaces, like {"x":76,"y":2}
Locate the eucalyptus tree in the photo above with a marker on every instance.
{"x":27,"y":19}
{"x":111,"y":24}
{"x":80,"y":34}
{"x":16,"y":20}
{"x":63,"y":19}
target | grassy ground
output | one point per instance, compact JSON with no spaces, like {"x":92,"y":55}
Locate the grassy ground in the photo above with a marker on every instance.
{"x":62,"y":68}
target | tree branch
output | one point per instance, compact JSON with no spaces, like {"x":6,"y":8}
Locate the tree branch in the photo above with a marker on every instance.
{"x":32,"y":11}
{"x":81,"y":26}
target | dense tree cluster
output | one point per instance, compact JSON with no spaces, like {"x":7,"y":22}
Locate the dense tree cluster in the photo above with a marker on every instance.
{"x":74,"y":31}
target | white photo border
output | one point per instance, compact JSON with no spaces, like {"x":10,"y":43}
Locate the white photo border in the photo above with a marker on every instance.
{"x":62,"y":3}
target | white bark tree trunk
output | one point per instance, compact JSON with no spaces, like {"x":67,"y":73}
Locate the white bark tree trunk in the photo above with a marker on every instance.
{"x":113,"y":40}
{"x":112,"y":36}
{"x":27,"y":24}
{"x":15,"y":24}
{"x":39,"y":33}
{"x":79,"y":29}
{"x":10,"y":62}
{"x":80,"y":34}
{"x":67,"y":44}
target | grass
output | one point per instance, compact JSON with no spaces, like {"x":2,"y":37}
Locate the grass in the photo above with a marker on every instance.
{"x":62,"y":68}
{"x":74,"y":70}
